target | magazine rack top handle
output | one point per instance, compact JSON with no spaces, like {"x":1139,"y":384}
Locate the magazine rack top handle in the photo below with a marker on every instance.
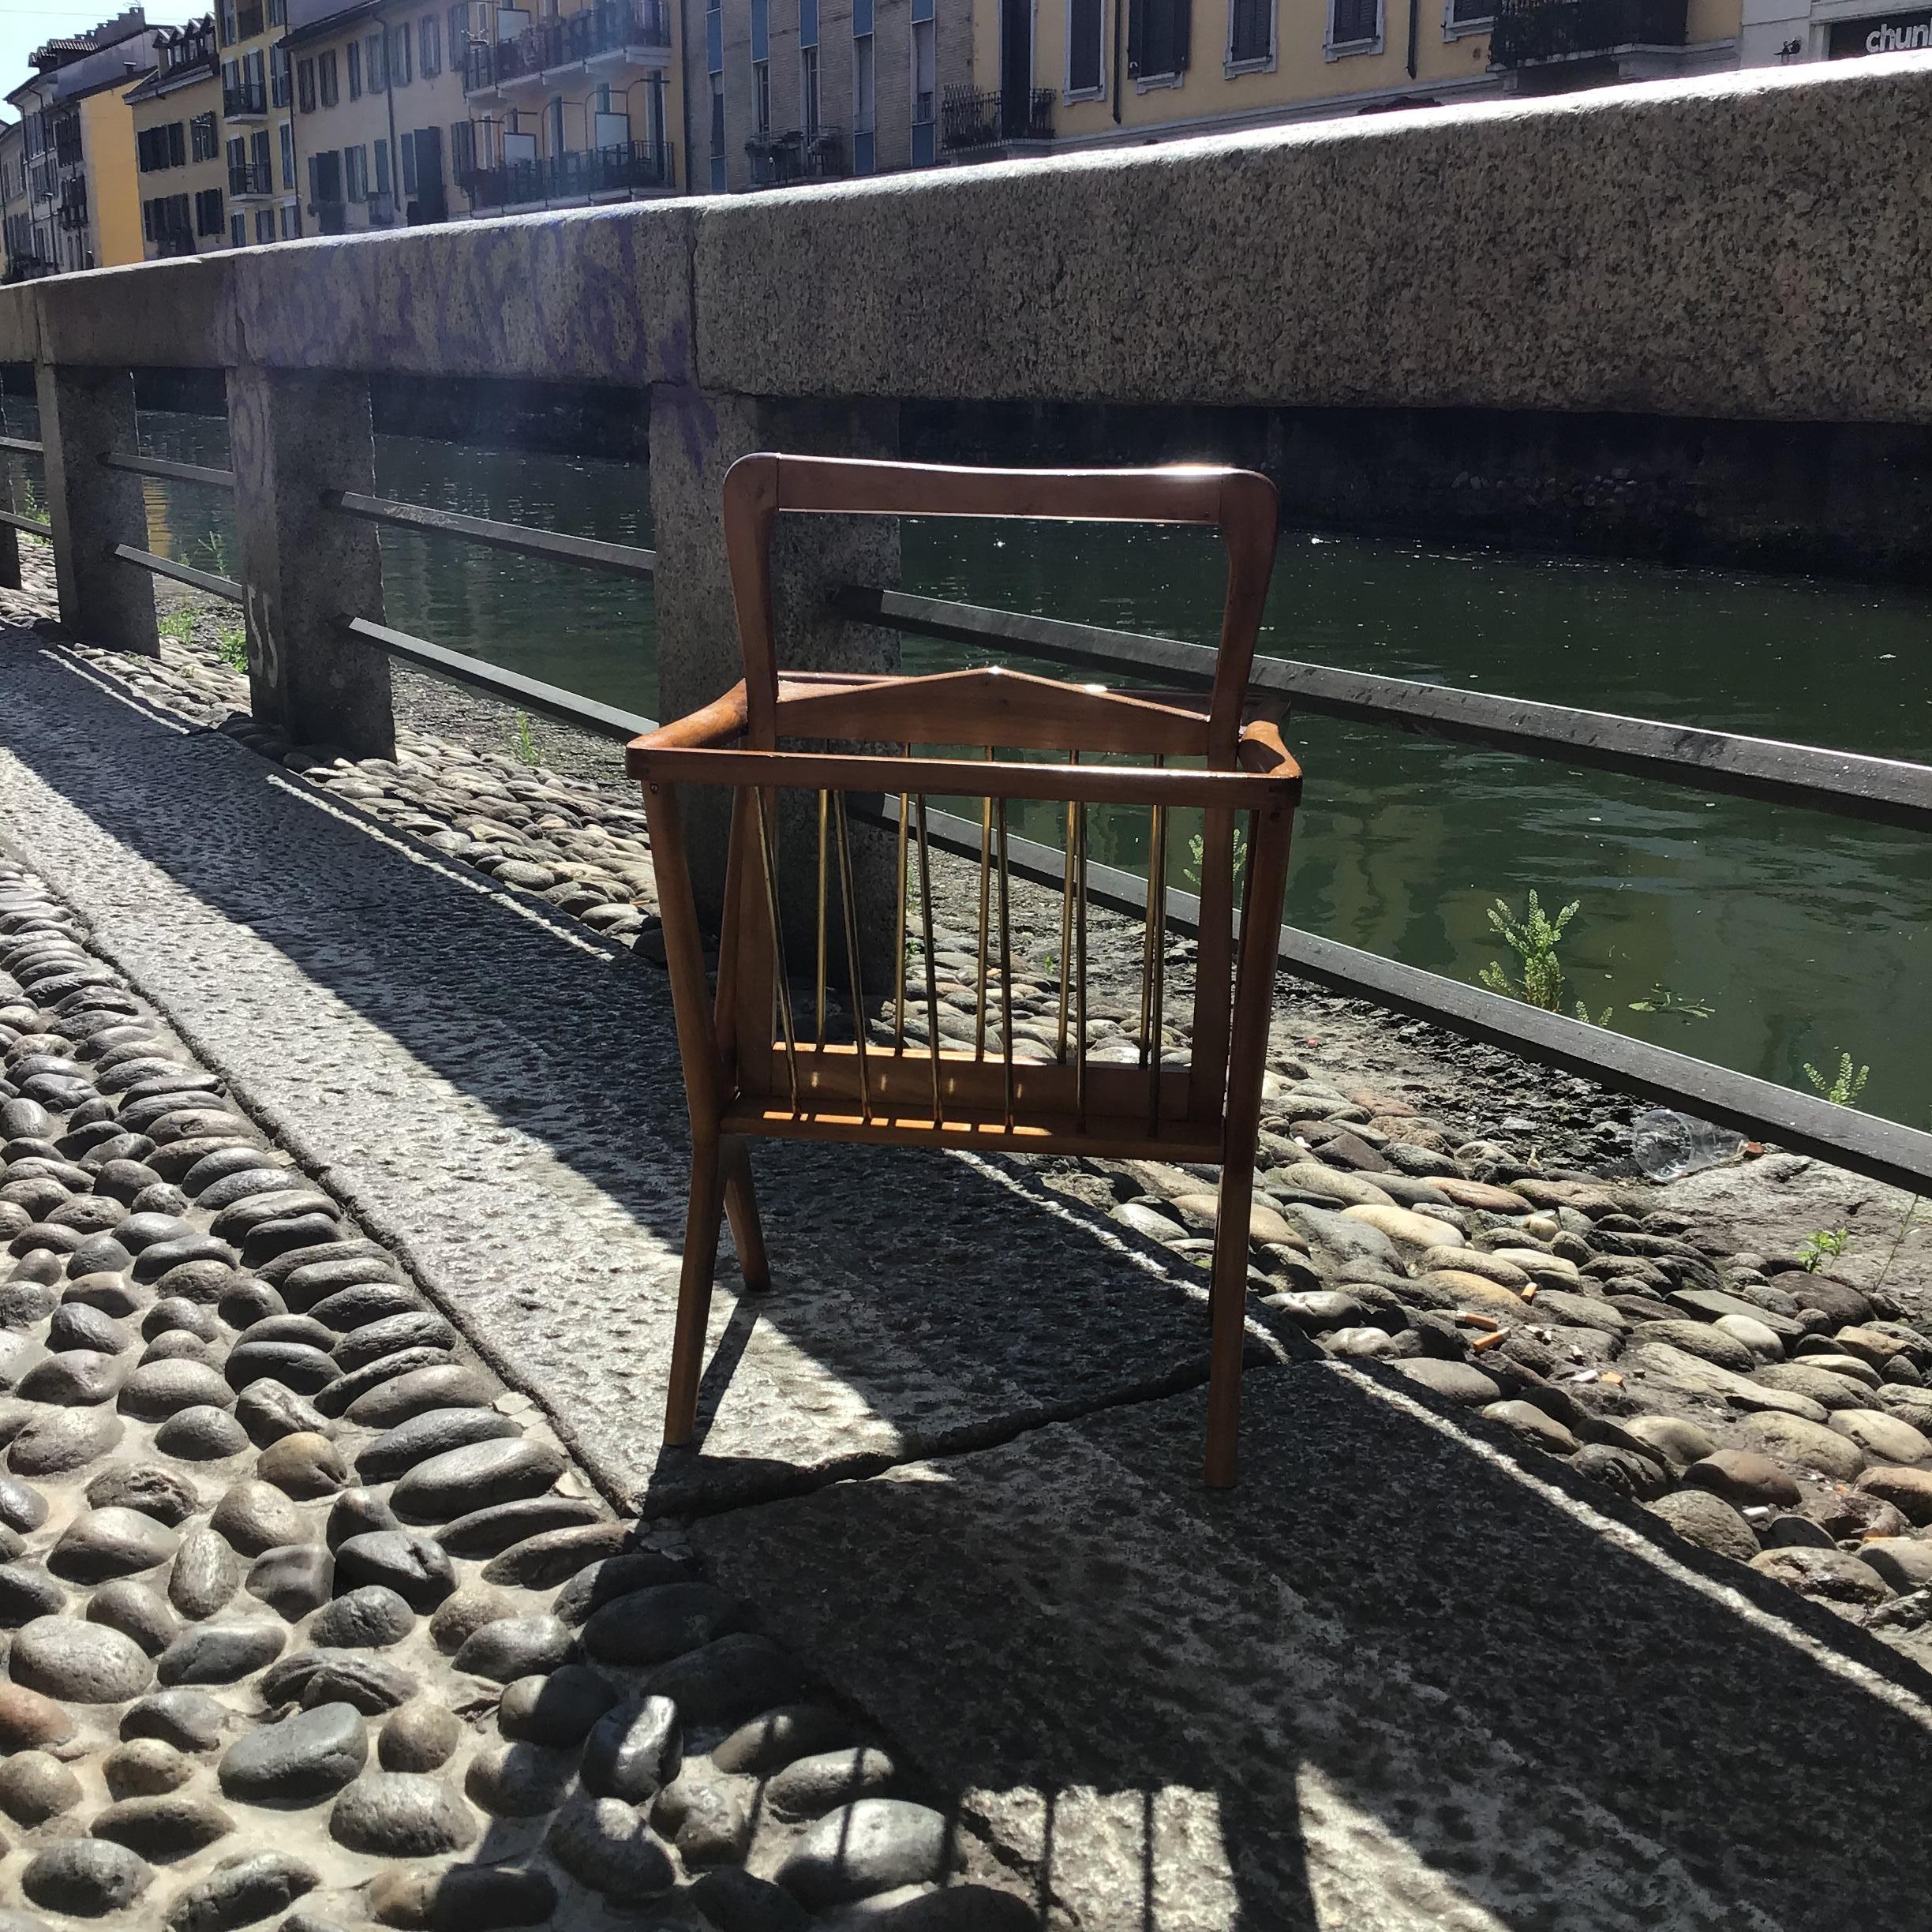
{"x":1241,"y":504}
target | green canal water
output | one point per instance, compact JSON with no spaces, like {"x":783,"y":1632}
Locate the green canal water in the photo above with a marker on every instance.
{"x":1805,"y":935}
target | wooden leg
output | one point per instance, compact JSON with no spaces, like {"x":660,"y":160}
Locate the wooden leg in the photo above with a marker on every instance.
{"x":741,"y":1206}
{"x":1254,"y":990}
{"x":701,"y":1242}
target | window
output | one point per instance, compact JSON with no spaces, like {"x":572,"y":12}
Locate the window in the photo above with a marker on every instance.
{"x":382,"y":167}
{"x":177,"y":143}
{"x":808,"y":88}
{"x":208,"y":211}
{"x":288,"y":155}
{"x":1157,"y":37}
{"x":305,"y":86}
{"x":553,"y":125}
{"x":376,"y":67}
{"x":717,"y":117}
{"x":458,"y":31}
{"x":865,"y":111}
{"x":264,"y":224}
{"x":922,"y":73}
{"x":1086,"y":31}
{"x":263,"y":171}
{"x":1354,"y":23}
{"x":229,"y":32}
{"x":429,"y":46}
{"x":202,"y":142}
{"x":278,"y":12}
{"x":399,"y":56}
{"x":238,"y":230}
{"x":352,"y":59}
{"x":409,"y":160}
{"x":1251,"y":33}
{"x":326,"y":87}
{"x":760,"y":97}
{"x":279,"y":77}
{"x":1464,"y":14}
{"x":355,"y":172}
{"x":291,"y":221}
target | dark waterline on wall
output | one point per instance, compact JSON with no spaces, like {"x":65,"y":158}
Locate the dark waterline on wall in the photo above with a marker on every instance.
{"x":1805,"y":934}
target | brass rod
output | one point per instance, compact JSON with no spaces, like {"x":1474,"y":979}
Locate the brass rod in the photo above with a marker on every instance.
{"x":1006,"y":935}
{"x":851,"y":954}
{"x":1157,"y":913}
{"x":1080,"y":972}
{"x":1066,"y":928}
{"x":986,"y":908}
{"x":825,"y":801}
{"x":900,"y":935}
{"x":782,"y":986}
{"x":932,"y":974}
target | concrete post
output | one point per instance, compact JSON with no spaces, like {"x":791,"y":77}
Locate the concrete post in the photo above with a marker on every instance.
{"x":9,"y":536}
{"x":292,"y":435}
{"x":695,"y":436}
{"x":85,"y":414}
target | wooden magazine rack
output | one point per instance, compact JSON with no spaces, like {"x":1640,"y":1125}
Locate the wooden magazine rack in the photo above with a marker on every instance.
{"x":748,"y":1069}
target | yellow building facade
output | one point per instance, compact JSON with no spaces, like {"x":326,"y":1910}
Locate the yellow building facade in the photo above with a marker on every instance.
{"x":1054,"y":74}
{"x":572,"y":102}
{"x":378,"y":94}
{"x":176,"y":116}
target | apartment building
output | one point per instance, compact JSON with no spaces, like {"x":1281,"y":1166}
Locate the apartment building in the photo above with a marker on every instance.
{"x":1049,"y":75}
{"x":572,"y":102}
{"x":177,"y":143}
{"x":378,"y":101}
{"x":258,"y":124}
{"x":78,"y":205}
{"x":794,"y":90}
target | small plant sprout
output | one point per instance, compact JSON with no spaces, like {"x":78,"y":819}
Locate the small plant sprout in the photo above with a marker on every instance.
{"x":231,"y":644}
{"x":1823,"y":1245}
{"x":524,"y":741}
{"x":177,"y":625}
{"x":1843,"y":1088}
{"x":1533,"y":938}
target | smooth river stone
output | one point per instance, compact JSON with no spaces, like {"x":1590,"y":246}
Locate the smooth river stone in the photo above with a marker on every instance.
{"x":402,"y":1814}
{"x":462,"y":1480}
{"x":257,"y":1517}
{"x":443,"y":1385}
{"x":513,"y":1647}
{"x":363,"y":1302}
{"x":81,"y":1663}
{"x":308,"y":1755}
{"x":652,"y":1625}
{"x":433,"y":1433}
{"x":64,"y":1439}
{"x":418,"y":1328}
{"x":135,"y":1611}
{"x":86,"y":1877}
{"x":206,"y":1572}
{"x":243,"y":1890}
{"x":370,"y":1617}
{"x":869,"y":1847}
{"x":155,"y":1492}
{"x":293,"y":1580}
{"x":103,"y":1544}
{"x":162,"y":1828}
{"x":27,"y":1592}
{"x":220,"y":1654}
{"x":417,"y":1569}
{"x":158,"y":1390}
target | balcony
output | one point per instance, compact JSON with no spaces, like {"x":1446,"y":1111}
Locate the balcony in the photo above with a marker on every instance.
{"x":798,"y":155}
{"x":1530,"y":33}
{"x":251,"y":181}
{"x":169,"y":242}
{"x":607,"y":34}
{"x":71,"y":215}
{"x":969,"y":121}
{"x":29,"y":267}
{"x":247,"y":100}
{"x":579,"y":176}
{"x":248,"y":23}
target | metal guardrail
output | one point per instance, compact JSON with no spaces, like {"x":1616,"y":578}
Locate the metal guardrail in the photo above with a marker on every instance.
{"x":181,"y":573}
{"x":178,"y":472}
{"x":620,"y":559}
{"x":31,"y":525}
{"x":1888,"y":790}
{"x":552,"y":700}
{"x":23,"y":444}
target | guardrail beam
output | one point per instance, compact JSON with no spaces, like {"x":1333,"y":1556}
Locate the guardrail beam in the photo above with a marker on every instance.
{"x":295,"y":435}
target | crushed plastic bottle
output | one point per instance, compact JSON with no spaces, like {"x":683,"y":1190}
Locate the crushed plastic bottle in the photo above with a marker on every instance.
{"x":1666,"y":1145}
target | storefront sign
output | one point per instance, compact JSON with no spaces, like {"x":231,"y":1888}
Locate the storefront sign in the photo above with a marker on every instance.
{"x":1890,"y":33}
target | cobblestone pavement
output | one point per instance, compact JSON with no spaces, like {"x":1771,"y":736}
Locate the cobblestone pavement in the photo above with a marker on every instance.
{"x":1575,"y":1578}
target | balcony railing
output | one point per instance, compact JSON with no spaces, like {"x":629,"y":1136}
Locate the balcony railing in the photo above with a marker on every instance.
{"x":798,"y":155}
{"x":245,"y":97}
{"x":607,"y":28}
{"x":969,"y":118}
{"x":1529,"y":30}
{"x":571,"y":177}
{"x":71,"y":214}
{"x":248,"y":24}
{"x":251,"y":179}
{"x":29,"y":267}
{"x":175,"y":242}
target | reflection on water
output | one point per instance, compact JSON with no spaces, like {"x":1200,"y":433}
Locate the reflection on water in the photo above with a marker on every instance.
{"x":1806,"y":933}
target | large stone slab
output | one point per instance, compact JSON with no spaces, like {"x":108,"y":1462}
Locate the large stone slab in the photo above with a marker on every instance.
{"x":1390,"y":1681}
{"x":499,"y":1100}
